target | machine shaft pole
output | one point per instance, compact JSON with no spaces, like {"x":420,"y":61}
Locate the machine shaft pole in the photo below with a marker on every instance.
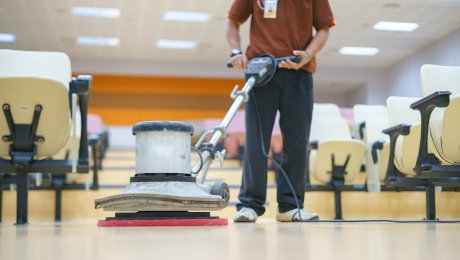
{"x":239,"y":100}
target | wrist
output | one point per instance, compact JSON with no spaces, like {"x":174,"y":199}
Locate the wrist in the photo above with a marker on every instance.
{"x":235,"y":52}
{"x":309,"y":54}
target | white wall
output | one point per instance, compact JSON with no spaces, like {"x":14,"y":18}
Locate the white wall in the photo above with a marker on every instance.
{"x":403,"y":78}
{"x":373,"y":79}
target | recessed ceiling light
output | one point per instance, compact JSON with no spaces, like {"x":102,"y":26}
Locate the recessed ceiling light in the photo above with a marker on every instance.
{"x":95,"y":12}
{"x":359,"y":51}
{"x":175,"y":44}
{"x":98,"y":41}
{"x":186,"y":16}
{"x":395,"y":26}
{"x":7,"y":37}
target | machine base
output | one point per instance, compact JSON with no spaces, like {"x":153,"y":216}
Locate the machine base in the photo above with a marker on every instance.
{"x":162,"y":218}
{"x":166,"y":196}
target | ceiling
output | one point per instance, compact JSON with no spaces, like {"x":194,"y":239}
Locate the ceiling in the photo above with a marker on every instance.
{"x":49,"y":25}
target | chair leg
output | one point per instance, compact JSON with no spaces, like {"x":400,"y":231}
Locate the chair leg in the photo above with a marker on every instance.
{"x":57,"y":206}
{"x":22,"y":189}
{"x":338,"y":204}
{"x":430,"y":202}
{"x":1,"y":199}
{"x":96,"y":168}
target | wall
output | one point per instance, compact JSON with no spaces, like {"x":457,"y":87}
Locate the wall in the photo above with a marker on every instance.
{"x":126,"y":100}
{"x":372,"y":78}
{"x":403,"y":79}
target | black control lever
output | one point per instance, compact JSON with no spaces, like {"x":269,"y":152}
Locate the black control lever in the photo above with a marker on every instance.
{"x":295,"y":59}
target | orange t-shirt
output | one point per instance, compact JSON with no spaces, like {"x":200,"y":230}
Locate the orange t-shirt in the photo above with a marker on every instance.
{"x":292,"y":29}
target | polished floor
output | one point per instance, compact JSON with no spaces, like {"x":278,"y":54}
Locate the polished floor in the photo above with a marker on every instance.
{"x":265,"y":239}
{"x":78,"y":236}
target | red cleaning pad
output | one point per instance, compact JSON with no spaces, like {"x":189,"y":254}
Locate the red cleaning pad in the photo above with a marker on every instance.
{"x":163,"y":222}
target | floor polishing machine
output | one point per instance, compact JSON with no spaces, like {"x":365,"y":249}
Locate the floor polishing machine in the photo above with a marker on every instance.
{"x":166,"y":190}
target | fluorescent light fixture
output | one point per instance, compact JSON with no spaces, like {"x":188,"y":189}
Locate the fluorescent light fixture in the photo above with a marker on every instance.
{"x":7,"y":37}
{"x":97,"y":41}
{"x":181,"y":16}
{"x":359,"y":51}
{"x":395,"y":26}
{"x":175,"y":44}
{"x":95,"y":12}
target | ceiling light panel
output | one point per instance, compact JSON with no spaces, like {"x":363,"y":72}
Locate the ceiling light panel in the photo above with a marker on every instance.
{"x":359,"y":51}
{"x":95,"y":12}
{"x":7,"y":37}
{"x":98,"y":41}
{"x":181,"y":16}
{"x":176,"y":44}
{"x":395,"y":26}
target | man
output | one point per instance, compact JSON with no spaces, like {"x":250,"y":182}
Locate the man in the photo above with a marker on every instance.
{"x":281,"y":28}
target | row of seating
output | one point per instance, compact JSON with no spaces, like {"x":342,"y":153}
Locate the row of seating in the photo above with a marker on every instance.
{"x":403,"y":149}
{"x":44,"y":133}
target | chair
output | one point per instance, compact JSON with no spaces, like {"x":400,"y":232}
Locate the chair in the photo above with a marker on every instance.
{"x":38,"y":98}
{"x":377,"y":149}
{"x":399,"y":113}
{"x":440,"y":122}
{"x":334,"y":158}
{"x":326,"y":110}
{"x":362,"y":113}
{"x":407,"y":141}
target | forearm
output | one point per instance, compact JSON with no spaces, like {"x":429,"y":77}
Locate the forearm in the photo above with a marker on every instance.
{"x":318,"y":41}
{"x":233,"y":34}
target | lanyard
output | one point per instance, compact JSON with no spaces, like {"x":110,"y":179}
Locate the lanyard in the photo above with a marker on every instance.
{"x":261,"y":4}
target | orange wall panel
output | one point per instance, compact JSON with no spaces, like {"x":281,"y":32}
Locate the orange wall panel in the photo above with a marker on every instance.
{"x":126,"y":100}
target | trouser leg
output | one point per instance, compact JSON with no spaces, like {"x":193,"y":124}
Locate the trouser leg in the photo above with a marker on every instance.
{"x":254,"y":181}
{"x":296,"y":106}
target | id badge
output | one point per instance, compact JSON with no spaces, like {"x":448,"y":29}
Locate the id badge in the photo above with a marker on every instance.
{"x":270,"y":9}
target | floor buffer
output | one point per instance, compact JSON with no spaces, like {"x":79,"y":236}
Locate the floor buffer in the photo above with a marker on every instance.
{"x":166,"y":190}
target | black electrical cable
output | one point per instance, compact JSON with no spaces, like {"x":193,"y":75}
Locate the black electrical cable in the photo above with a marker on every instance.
{"x":385,"y":221}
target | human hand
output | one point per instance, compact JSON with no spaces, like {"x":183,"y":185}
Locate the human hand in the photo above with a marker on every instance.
{"x":305,"y":58}
{"x":239,"y":62}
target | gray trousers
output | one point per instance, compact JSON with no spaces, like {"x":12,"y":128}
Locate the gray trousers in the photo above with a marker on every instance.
{"x":290,"y":92}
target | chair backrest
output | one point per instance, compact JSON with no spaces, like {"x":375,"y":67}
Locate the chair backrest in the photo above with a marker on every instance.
{"x":374,"y":128}
{"x":444,"y":122}
{"x":399,"y":111}
{"x":329,"y":128}
{"x":29,"y":78}
{"x":362,"y":113}
{"x":326,"y":110}
{"x":436,"y":78}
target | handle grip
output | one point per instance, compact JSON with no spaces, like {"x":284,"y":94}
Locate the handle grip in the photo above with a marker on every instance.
{"x":295,"y":59}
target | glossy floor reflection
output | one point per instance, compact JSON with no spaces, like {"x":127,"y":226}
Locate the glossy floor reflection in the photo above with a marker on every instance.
{"x":265,"y":239}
